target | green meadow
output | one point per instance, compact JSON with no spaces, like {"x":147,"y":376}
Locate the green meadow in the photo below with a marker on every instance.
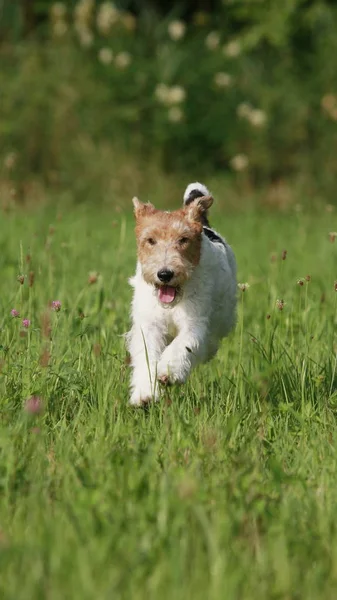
{"x":226,"y":488}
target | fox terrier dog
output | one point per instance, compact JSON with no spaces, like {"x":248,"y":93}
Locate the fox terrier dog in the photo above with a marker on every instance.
{"x":184,"y":298}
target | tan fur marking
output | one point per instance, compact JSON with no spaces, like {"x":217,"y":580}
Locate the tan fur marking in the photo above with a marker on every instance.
{"x":196,"y":209}
{"x":141,"y":209}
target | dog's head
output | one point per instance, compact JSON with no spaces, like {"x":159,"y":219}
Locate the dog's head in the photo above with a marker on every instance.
{"x":169,"y":245}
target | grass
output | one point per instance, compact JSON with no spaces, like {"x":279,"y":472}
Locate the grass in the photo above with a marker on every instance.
{"x":227,"y":488}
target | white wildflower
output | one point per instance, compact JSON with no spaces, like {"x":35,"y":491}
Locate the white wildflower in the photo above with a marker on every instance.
{"x":239,"y":162}
{"x":170,"y":95}
{"x":123,"y":60}
{"x":257,"y":117}
{"x":85,"y":36}
{"x":223,"y":80}
{"x":162,"y":92}
{"x":244,"y":110}
{"x":107,"y":16}
{"x":83,"y":11}
{"x":175,"y":114}
{"x":232,"y":49}
{"x":176,"y":95}
{"x":105,"y":56}
{"x":176,"y":30}
{"x":243,"y":286}
{"x":212,"y":40}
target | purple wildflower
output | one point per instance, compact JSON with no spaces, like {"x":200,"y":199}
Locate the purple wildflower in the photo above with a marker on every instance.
{"x":93,"y":277}
{"x":34,"y":405}
{"x":56,"y":305}
{"x":25,"y":323}
{"x":15,"y":313}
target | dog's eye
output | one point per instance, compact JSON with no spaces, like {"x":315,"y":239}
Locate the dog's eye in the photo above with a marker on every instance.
{"x":183,"y":240}
{"x":151,"y":242}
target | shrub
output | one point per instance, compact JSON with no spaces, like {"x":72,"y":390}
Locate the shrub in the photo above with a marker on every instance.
{"x":250,"y":90}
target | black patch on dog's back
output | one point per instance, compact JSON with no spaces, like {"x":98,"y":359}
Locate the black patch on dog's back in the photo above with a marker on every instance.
{"x":213,"y":237}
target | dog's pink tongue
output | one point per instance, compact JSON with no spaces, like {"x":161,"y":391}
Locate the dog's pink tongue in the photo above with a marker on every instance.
{"x":167,"y":294}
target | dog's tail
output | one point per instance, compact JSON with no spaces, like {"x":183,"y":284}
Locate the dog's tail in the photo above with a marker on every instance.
{"x":193,"y":191}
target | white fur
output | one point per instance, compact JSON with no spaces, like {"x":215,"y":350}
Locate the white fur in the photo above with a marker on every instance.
{"x":169,"y":340}
{"x":195,"y":186}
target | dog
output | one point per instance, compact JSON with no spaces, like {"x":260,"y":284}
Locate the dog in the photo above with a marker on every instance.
{"x":184,"y":299}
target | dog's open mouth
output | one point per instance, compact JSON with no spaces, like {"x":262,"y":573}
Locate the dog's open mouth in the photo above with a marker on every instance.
{"x":167,"y":294}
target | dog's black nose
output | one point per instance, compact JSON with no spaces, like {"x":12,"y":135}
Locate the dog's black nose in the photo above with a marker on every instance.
{"x":165,"y":275}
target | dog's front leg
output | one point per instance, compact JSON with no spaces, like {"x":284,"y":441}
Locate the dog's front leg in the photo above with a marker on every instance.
{"x":185,"y":352}
{"x":146,"y":344}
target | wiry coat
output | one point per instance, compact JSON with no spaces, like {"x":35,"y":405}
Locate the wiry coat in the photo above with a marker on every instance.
{"x":167,"y":341}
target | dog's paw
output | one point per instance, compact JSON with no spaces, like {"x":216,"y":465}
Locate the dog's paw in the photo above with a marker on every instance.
{"x":165,"y":380}
{"x":143,"y":397}
{"x":167,"y":374}
{"x":139,"y":402}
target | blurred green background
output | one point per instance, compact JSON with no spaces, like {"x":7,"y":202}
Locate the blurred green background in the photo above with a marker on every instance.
{"x":99,"y":99}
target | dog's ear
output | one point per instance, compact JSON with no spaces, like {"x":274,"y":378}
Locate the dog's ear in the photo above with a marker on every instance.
{"x":141,"y":209}
{"x":196,"y":210}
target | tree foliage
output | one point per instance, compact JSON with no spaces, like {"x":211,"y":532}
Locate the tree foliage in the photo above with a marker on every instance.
{"x":240,"y":85}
